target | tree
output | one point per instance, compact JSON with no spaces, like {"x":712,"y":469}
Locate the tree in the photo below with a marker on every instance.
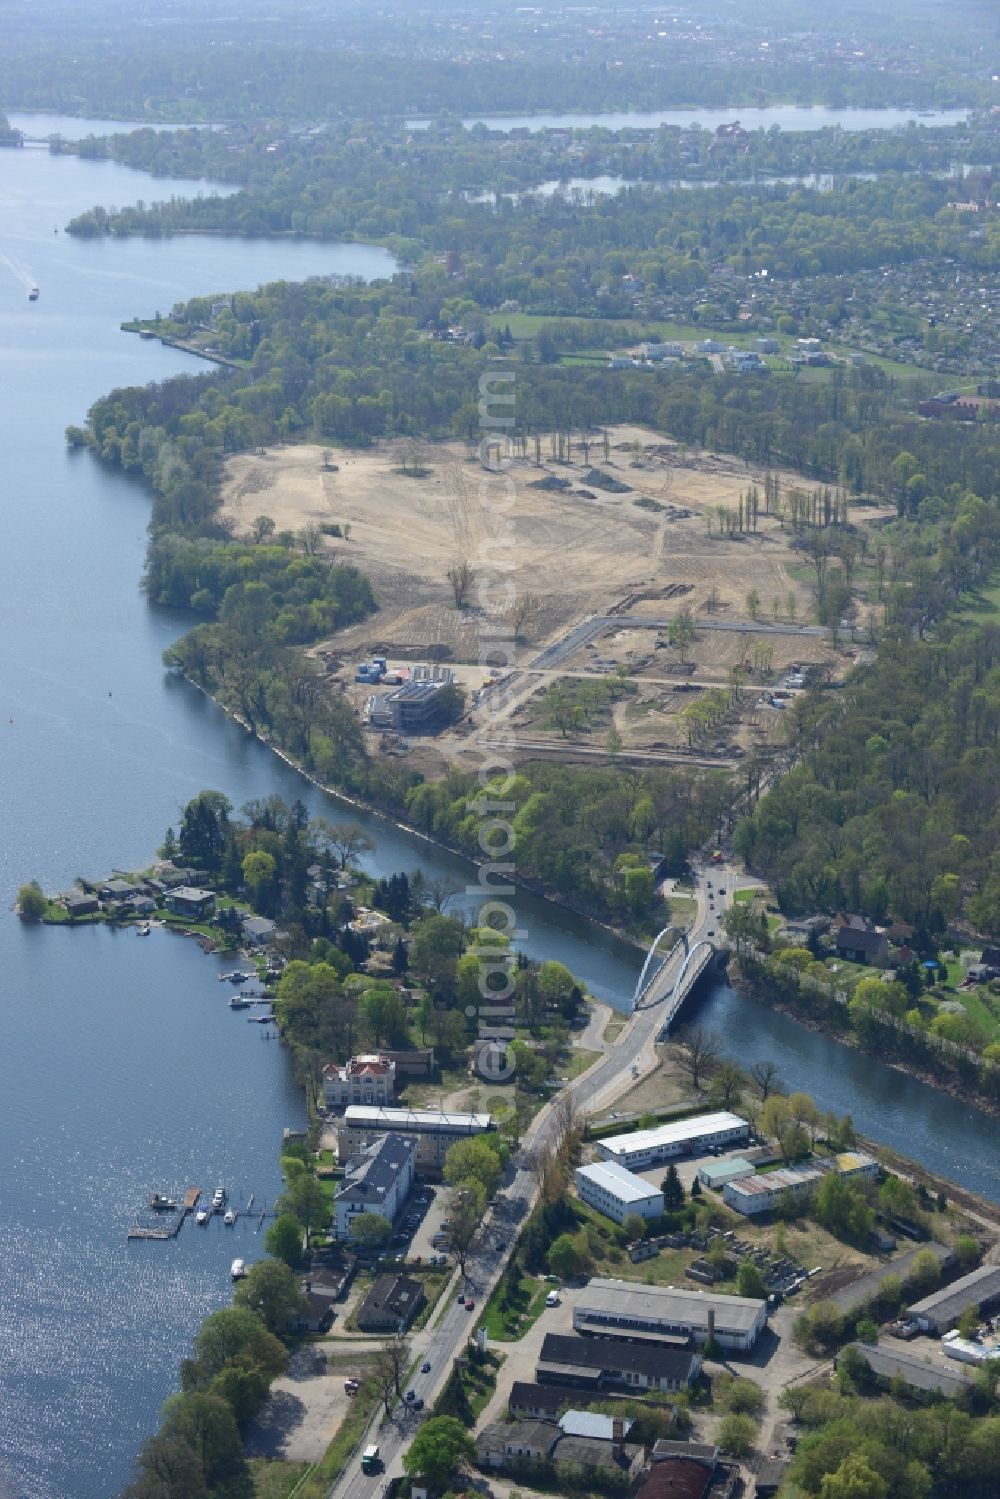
{"x":390,"y":1367}
{"x":728,"y":1083}
{"x":271,"y":1290}
{"x":465,"y":1206}
{"x":233,"y":1334}
{"x":31,"y":901}
{"x":438,"y":1450}
{"x":259,"y":870}
{"x":473,"y":1160}
{"x":697,"y":1051}
{"x":672,"y":1189}
{"x":566,"y":1258}
{"x":634,"y":1226}
{"x":736,"y":1434}
{"x":384,"y":1015}
{"x":461,"y":577}
{"x":206,"y":1424}
{"x":968,"y":1323}
{"x":741,"y":925}
{"x":168,"y":1468}
{"x":925,"y":1272}
{"x":305,"y":1198}
{"x":778,"y":1122}
{"x":262,"y":529}
{"x":750,"y":1282}
{"x":742,"y":1397}
{"x":370,"y":1230}
{"x":346,"y":842}
{"x":853,"y":1479}
{"x":681,"y":633}
{"x":283,"y":1239}
{"x":204,"y":829}
{"x":804,"y":1111}
{"x":764,"y":1076}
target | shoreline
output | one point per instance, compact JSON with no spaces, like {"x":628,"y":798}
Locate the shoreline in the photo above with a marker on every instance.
{"x":950,"y":1089}
{"x":372,"y":810}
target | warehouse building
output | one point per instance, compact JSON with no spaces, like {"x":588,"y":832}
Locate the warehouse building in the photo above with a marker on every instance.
{"x":615,"y":1192}
{"x":941,"y":1311}
{"x":607,"y":1307}
{"x":647,"y":1147}
{"x":434,"y":1131}
{"x":611,"y":1364}
{"x":751,"y":1195}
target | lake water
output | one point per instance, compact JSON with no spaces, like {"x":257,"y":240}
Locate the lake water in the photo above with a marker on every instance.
{"x":784,"y":116}
{"x":121,"y":1070}
{"x":38,"y":125}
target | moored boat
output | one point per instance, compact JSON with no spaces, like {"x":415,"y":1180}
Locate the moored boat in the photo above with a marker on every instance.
{"x":201,"y":1216}
{"x":161,"y":1204}
{"x":238,"y":1269}
{"x":33,"y":294}
{"x":219,"y":1198}
{"x":230,"y":1217}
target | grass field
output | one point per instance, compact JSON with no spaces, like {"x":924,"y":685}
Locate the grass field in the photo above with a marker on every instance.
{"x":274,"y":1479}
{"x":506,"y":1326}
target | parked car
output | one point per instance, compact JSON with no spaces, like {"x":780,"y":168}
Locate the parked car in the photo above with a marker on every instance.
{"x":425,"y":1367}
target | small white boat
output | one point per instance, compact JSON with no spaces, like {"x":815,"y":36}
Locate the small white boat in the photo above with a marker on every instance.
{"x":201,"y":1216}
{"x":219,"y":1197}
{"x":238,"y":1269}
{"x":230,"y":1217}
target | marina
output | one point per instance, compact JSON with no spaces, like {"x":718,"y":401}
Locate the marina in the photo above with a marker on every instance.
{"x":164,"y":1229}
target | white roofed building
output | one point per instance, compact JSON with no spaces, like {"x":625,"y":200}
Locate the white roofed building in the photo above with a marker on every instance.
{"x":434,"y":1130}
{"x":615,"y":1192}
{"x":609,"y":1308}
{"x":648,"y":1147}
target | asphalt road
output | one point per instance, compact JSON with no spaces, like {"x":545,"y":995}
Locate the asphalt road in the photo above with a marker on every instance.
{"x":593,"y":1092}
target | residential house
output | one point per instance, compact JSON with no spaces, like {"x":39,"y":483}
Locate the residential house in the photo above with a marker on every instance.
{"x":79,"y":903}
{"x":116,"y":891}
{"x":316,"y":1315}
{"x":369,"y":1078}
{"x":258,"y":931}
{"x":189,"y":901}
{"x":862,"y":945}
{"x":391,"y":1304}
{"x":379,"y":1182}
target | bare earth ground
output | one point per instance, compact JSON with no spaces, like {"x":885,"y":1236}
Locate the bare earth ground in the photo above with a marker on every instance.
{"x":304,"y":1409}
{"x":574,"y":553}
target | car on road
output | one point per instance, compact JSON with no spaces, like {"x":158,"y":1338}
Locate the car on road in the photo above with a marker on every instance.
{"x":418,"y":1404}
{"x":469,"y":1303}
{"x":411,"y":1395}
{"x":425,"y":1367}
{"x":711,"y":931}
{"x":552,"y":1299}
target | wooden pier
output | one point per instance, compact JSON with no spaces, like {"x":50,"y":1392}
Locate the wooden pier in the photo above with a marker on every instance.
{"x":173,"y":1228}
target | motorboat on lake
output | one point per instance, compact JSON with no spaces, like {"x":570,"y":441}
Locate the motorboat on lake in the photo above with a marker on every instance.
{"x":201,"y":1217}
{"x":33,"y":294}
{"x":238,"y":1269}
{"x":219,"y":1198}
{"x":230,"y":1217}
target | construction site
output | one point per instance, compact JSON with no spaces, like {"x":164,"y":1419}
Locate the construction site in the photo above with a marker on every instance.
{"x":658,"y":604}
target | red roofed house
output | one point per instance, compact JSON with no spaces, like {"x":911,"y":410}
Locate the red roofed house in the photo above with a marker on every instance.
{"x":369,"y":1079}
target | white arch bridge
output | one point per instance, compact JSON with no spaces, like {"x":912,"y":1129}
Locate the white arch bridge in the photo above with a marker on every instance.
{"x":674,"y":979}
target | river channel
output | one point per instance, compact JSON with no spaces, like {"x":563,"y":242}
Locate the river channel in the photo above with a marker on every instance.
{"x":121,"y":1070}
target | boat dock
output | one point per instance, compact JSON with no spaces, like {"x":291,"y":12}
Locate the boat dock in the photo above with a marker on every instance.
{"x":170,"y":1228}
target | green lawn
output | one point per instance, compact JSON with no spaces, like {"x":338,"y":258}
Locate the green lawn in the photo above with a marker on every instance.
{"x":514,"y":1321}
{"x":275,"y":1479}
{"x":579,"y":1061}
{"x":747,"y":894}
{"x":978,"y":1011}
